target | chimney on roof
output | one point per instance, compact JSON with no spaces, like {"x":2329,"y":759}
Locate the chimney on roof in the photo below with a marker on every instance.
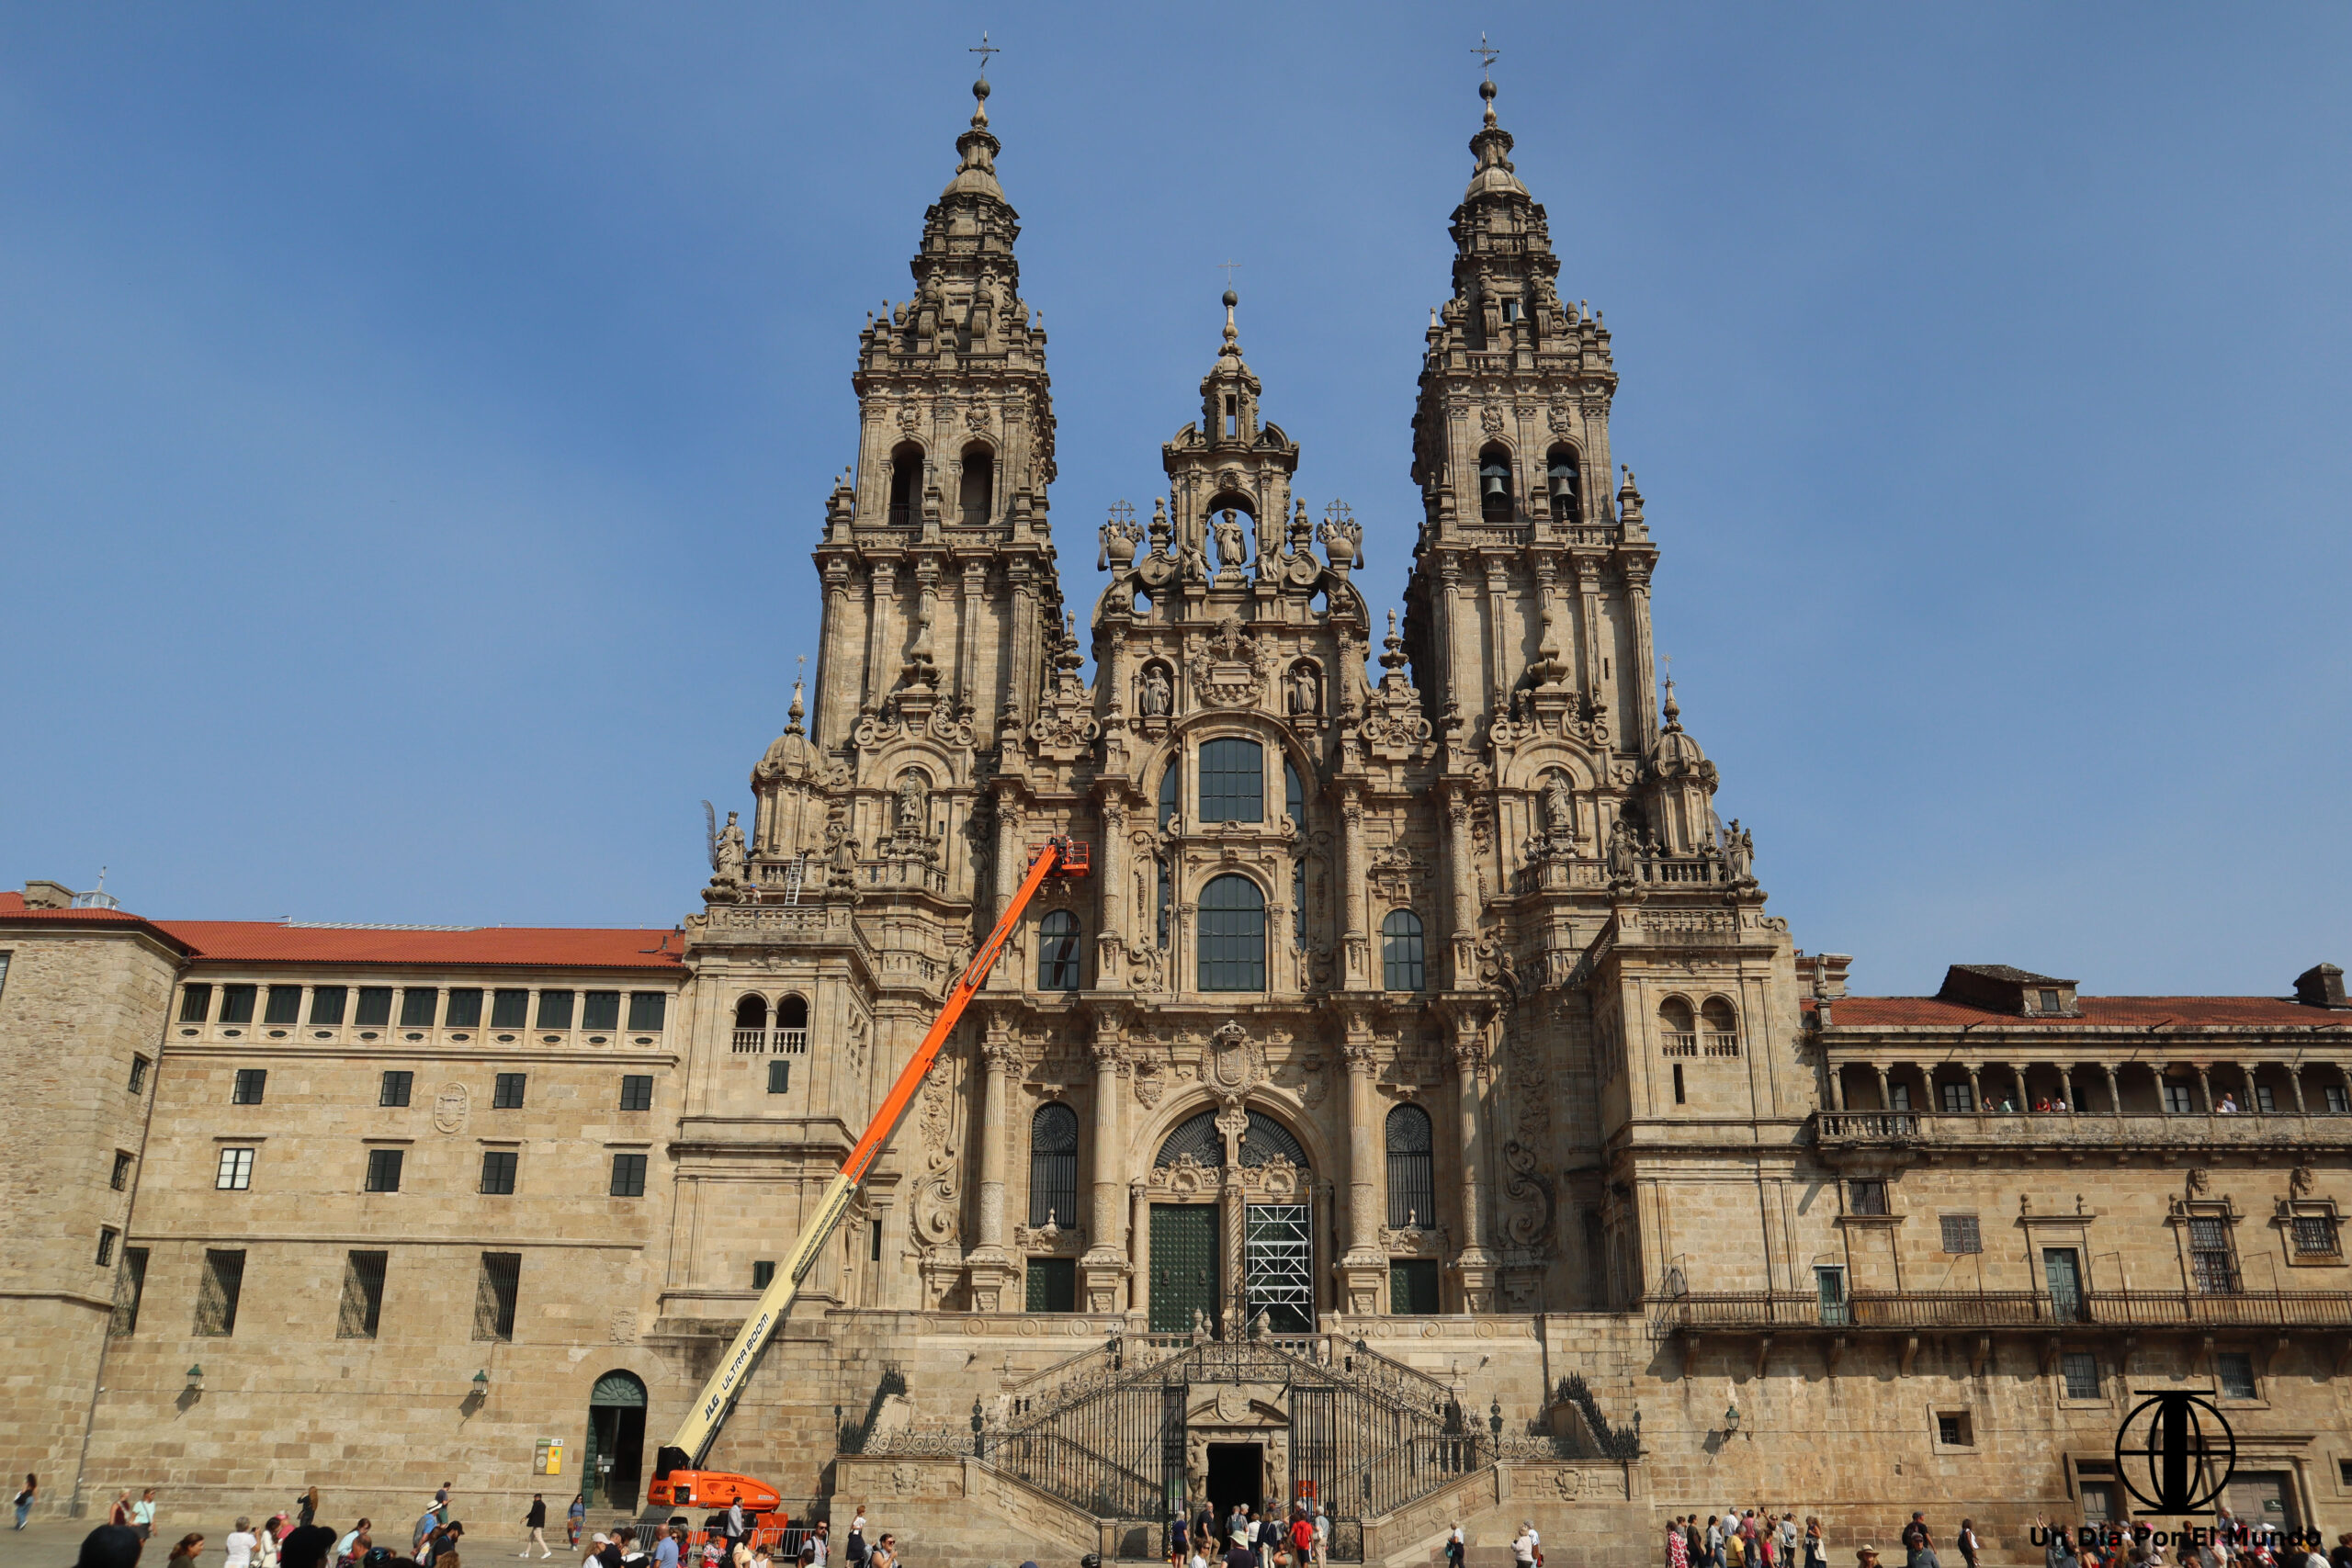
{"x":43,"y":894}
{"x":2320,"y":985}
{"x":2000,"y":987}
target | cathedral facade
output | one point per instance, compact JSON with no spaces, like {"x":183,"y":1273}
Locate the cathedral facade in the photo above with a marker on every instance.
{"x":1419,"y":1056}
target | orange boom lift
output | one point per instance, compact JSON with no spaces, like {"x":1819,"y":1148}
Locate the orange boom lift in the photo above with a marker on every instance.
{"x":677,"y":1482}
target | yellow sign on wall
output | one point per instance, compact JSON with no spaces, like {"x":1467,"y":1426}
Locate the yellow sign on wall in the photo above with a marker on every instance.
{"x":549,"y":1460}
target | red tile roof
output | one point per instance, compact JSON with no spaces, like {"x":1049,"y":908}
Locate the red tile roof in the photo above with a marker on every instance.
{"x":513,"y":947}
{"x":2097,"y":1013}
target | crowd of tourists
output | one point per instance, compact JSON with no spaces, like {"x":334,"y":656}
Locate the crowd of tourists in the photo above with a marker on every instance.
{"x":1745,"y":1539}
{"x":1244,"y":1538}
{"x":1750,"y":1538}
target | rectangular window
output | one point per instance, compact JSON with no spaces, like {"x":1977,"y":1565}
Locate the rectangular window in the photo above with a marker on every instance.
{"x":873,"y":1241}
{"x":494,"y":1293}
{"x":129,"y":1288}
{"x":1898,"y":1097}
{"x":326,"y":1005}
{"x":363,"y":1295}
{"x":1866,"y":1197}
{"x":779,"y":1075}
{"x":1829,"y":1290}
{"x":2082,"y":1374}
{"x":509,"y":1009}
{"x":2339,"y":1099}
{"x":250,"y":1085}
{"x":2049,"y":1001}
{"x":2098,"y":1501}
{"x":1679,"y":1099}
{"x":1957,"y":1101}
{"x":195,"y":1002}
{"x":105,"y":1248}
{"x":237,"y":1004}
{"x":375,"y":1007}
{"x":464,"y":1010}
{"x":1952,"y":1429}
{"x":285,"y":1005}
{"x":418,"y":1004}
{"x":1960,"y":1234}
{"x":762,"y":1273}
{"x":1053,"y":1284}
{"x":629,"y":1176}
{"x":1233,"y":781}
{"x":498,"y":1171}
{"x":2233,"y":1369}
{"x":645,"y":1009}
{"x":636,"y":1091}
{"x":138,"y":1075}
{"x":2213,"y":1263}
{"x":600,"y":1010}
{"x":121,"y":1177}
{"x":2315,"y":1236}
{"x":2177,"y":1099}
{"x":555,"y":1010}
{"x":384,"y":1169}
{"x":1412,"y":1286}
{"x":2265,"y":1100}
{"x":506,"y":1091}
{"x":235,"y":1172}
{"x":217,"y":1293}
{"x":396,"y":1087}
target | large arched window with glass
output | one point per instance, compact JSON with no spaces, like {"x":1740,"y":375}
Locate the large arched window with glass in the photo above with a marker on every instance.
{"x":1233,"y":935}
{"x":1412,"y":1182}
{"x":1233,"y":781}
{"x":1057,"y":964}
{"x":1053,"y":1165}
{"x":1401,"y":966}
{"x":1294,"y":793}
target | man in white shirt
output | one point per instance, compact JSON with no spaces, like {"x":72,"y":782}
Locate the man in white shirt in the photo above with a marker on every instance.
{"x":1522,"y":1550}
{"x":240,"y":1544}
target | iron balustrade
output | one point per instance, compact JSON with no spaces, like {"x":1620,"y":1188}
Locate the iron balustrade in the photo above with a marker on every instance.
{"x":1757,"y":1311}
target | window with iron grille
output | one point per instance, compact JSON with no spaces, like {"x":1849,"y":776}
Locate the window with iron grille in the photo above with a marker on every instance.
{"x":216,"y":1293}
{"x":250,"y":1084}
{"x":121,"y":1177}
{"x":1053,"y":1284}
{"x":384,"y":1169}
{"x":327,"y":1004}
{"x":2213,"y":1262}
{"x":498,"y":1171}
{"x":375,"y":1009}
{"x":1960,"y":1234}
{"x":629,"y":1176}
{"x":1401,"y":966}
{"x":235,"y":1172}
{"x":555,"y":1010}
{"x":130,"y":1289}
{"x":363,"y":1295}
{"x":645,"y":1010}
{"x":1053,"y":1165}
{"x":1412,"y":1184}
{"x":636,"y":1091}
{"x":395,"y":1088}
{"x":762,"y":1273}
{"x":1057,"y":964}
{"x":2315,"y":1236}
{"x":2233,"y":1369}
{"x":600,"y":1010}
{"x":1954,"y":1429}
{"x":2080,"y":1370}
{"x":138,"y":1075}
{"x":1233,"y":781}
{"x":237,"y":1004}
{"x":506,"y":1091}
{"x":106,"y":1247}
{"x":195,"y":1002}
{"x":1866,"y":1197}
{"x":464,"y":1010}
{"x":1233,"y":935}
{"x":494,"y":1295}
{"x":284,"y":1006}
{"x":418,"y":1004}
{"x":510,"y":1008}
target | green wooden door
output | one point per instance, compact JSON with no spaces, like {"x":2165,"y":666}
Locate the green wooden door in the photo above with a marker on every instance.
{"x":1184,"y":1272}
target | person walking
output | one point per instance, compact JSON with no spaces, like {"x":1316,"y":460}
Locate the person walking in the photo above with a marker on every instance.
{"x":574,"y":1518}
{"x":1322,"y":1536}
{"x":1919,"y":1544}
{"x":886,"y":1552}
{"x":119,"y":1515}
{"x":184,"y":1554}
{"x":1967,"y":1541}
{"x":1817,"y":1550}
{"x":239,"y":1544}
{"x":1522,"y":1546}
{"x":1677,"y":1544}
{"x":25,"y":1497}
{"x":1456,"y":1549}
{"x":142,"y":1515}
{"x":739,"y":1529}
{"x":307,"y":1508}
{"x":535,"y":1526}
{"x":426,"y":1523}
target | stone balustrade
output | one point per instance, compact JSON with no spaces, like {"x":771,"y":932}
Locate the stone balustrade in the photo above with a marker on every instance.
{"x":1835,"y":1131}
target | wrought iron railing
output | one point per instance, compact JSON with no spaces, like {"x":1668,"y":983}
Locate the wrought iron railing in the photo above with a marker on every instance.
{"x":1899,"y":1310}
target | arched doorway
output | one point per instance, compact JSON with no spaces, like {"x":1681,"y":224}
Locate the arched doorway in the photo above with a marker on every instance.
{"x":1231,"y":1261}
{"x":615,"y":1431}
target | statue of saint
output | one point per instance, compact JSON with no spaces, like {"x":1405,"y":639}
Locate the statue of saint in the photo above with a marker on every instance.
{"x":1739,"y":850}
{"x":1559,"y":807}
{"x":910,"y":803}
{"x":1231,"y":548}
{"x":1305,"y":691}
{"x":1157,"y":697}
{"x":1621,"y":850}
{"x":727,"y":858}
{"x":1194,"y":564}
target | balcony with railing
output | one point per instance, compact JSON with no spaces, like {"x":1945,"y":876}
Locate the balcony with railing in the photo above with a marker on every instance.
{"x":1875,"y":1131}
{"x":1912,"y":1311}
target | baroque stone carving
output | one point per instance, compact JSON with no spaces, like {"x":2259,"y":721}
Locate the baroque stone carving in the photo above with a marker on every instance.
{"x":1230,"y":668}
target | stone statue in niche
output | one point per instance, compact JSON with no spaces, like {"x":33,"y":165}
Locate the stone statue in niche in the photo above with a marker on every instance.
{"x":1157,"y":697}
{"x":1621,"y":850}
{"x":1192,"y":563}
{"x":910,"y":802}
{"x":1305,"y":691}
{"x":1559,"y":807}
{"x":1232,"y":548}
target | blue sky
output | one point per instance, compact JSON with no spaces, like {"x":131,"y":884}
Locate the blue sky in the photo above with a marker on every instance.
{"x":414,"y":420}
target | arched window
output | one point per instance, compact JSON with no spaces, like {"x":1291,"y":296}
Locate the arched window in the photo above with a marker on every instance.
{"x":1053,"y":1165}
{"x":1233,"y":781}
{"x":1294,"y":793}
{"x":751,"y":1023}
{"x":1680,"y":1029}
{"x":980,"y":486}
{"x":1262,"y":1138}
{"x":1171,"y":780}
{"x":1196,"y":1136}
{"x":1233,"y":935}
{"x":1057,"y":952}
{"x":1412,"y":1184}
{"x":906,"y":484}
{"x":792,"y":1026}
{"x":1722,"y":1025}
{"x":1494,"y":484}
{"x":1567,"y":486}
{"x":1400,"y":951}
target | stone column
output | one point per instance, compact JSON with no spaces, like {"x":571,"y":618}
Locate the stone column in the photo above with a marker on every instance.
{"x":1589,"y":630}
{"x":1643,"y":679}
{"x":2114,"y":1090}
{"x":1476,"y":1263}
{"x":1011,"y":866}
{"x":833,"y":655}
{"x":1885,"y":1087}
{"x":1110,"y":874}
{"x":1500,"y":624}
{"x":1464,"y":943}
{"x":967,"y":651}
{"x":2205,"y":1086}
{"x":1355,"y":967}
{"x":1105,"y":1262}
{"x":991,"y":1268}
{"x":1975,"y":1088}
{"x":1363,"y":1267}
{"x":2018,"y":1072}
{"x":2295,"y":1082}
{"x":882,"y":595}
{"x":1139,"y":1255}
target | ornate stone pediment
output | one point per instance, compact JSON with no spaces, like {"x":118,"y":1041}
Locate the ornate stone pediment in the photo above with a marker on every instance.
{"x":1229,"y":671}
{"x":1184,"y":1178}
{"x":1234,"y":1064}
